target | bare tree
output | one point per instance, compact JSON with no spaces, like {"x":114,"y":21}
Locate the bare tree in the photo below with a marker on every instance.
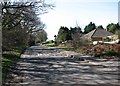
{"x":21,"y":17}
{"x":41,"y":36}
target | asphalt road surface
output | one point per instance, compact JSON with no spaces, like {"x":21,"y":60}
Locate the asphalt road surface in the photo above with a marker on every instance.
{"x":43,"y":66}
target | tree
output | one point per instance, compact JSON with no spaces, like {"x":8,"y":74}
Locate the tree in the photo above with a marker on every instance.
{"x":75,"y":33}
{"x":13,"y":32}
{"x":55,"y":37}
{"x":91,"y":26}
{"x":41,"y":36}
{"x":118,"y":33}
{"x":113,"y":27}
{"x":100,"y":27}
{"x":20,"y":21}
{"x":63,"y":34}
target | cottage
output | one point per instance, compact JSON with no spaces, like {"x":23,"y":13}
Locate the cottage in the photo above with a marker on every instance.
{"x":97,"y":35}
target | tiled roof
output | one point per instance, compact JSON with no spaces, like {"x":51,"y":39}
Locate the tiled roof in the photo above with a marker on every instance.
{"x":101,"y":33}
{"x":97,"y":33}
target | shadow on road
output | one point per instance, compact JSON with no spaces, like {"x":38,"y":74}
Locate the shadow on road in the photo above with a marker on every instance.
{"x":49,"y":71}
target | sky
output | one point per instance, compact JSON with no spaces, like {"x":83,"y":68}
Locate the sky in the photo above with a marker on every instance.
{"x":71,"y":12}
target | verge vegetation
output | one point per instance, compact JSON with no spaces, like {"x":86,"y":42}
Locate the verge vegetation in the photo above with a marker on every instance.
{"x":21,"y":28}
{"x":9,"y":59}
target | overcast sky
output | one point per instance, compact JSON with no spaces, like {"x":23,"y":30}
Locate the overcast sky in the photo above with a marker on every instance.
{"x":68,"y":12}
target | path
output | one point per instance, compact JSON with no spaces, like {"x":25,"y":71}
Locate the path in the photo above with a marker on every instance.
{"x":43,"y":66}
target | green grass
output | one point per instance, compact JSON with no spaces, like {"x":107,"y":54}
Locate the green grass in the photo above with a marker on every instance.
{"x":8,"y":61}
{"x":50,"y":44}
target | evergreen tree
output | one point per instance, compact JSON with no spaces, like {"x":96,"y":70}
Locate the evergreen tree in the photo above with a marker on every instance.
{"x":91,"y":26}
{"x":113,"y":27}
{"x":63,"y":34}
{"x":100,"y":27}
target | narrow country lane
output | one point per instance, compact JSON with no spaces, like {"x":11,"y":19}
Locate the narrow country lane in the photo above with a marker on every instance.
{"x":44,"y":66}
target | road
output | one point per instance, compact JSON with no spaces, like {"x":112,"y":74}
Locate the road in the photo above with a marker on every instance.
{"x":43,"y":66}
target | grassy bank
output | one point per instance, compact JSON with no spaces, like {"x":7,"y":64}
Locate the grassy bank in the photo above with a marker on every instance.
{"x":8,"y":62}
{"x":49,"y":44}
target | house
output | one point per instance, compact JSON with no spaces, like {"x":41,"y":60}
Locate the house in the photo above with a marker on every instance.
{"x":97,"y":35}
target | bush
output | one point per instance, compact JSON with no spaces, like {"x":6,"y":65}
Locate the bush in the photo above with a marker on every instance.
{"x":107,"y":53}
{"x":111,"y":53}
{"x":81,"y":42}
{"x":98,"y":55}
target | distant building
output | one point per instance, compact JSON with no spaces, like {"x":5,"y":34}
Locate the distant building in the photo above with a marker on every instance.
{"x":97,"y":35}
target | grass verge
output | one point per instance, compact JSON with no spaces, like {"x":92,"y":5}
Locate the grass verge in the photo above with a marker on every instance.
{"x":9,"y":59}
{"x":50,"y":44}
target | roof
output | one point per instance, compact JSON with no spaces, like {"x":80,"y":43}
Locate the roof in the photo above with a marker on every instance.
{"x":97,"y":33}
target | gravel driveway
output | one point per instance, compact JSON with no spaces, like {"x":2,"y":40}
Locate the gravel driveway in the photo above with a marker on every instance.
{"x":43,"y":66}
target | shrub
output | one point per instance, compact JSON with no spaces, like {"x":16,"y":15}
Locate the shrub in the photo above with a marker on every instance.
{"x":107,"y":53}
{"x":111,"y":53}
{"x":79,"y":43}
